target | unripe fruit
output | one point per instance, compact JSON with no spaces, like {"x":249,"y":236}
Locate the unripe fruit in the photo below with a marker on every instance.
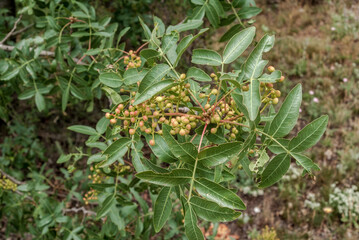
{"x":108,"y":115}
{"x":131,"y":108}
{"x":233,"y":135}
{"x":130,"y":52}
{"x":172,"y":132}
{"x":245,"y":88}
{"x":154,"y":124}
{"x":202,"y":95}
{"x":126,"y":123}
{"x":141,"y":123}
{"x":132,"y":114}
{"x":132,"y":131}
{"x":277,"y":93}
{"x":207,"y":106}
{"x":113,"y":121}
{"x":145,"y":118}
{"x":193,"y":124}
{"x":192,"y":118}
{"x":183,"y":76}
{"x":269,"y":85}
{"x":126,"y":113}
{"x":169,"y":105}
{"x":281,"y":79}
{"x":271,"y":69}
{"x":148,"y":130}
{"x":186,"y":99}
{"x":133,"y":120}
{"x":162,"y":119}
{"x":275,"y":100}
{"x":217,"y":118}
{"x":159,"y":99}
{"x":213,"y":75}
{"x":172,"y":97}
{"x":213,"y":130}
{"x":120,"y":106}
{"x":182,"y":132}
{"x":152,"y":142}
{"x":160,"y":132}
{"x":214,"y":91}
{"x":156,"y":113}
{"x":187,"y":85}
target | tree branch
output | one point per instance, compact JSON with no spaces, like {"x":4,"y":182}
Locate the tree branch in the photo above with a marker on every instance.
{"x":12,"y":30}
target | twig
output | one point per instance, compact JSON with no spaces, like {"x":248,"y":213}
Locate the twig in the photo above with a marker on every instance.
{"x":22,"y":30}
{"x":12,"y":30}
{"x":81,"y":209}
{"x":11,"y":178}
{"x":42,"y":53}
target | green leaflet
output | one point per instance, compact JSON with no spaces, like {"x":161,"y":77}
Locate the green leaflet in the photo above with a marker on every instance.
{"x":162,"y":208}
{"x":190,"y":225}
{"x":198,"y":74}
{"x":117,"y":146}
{"x":175,"y":177}
{"x":252,"y":69}
{"x":186,"y":152}
{"x":83,"y":129}
{"x":287,"y":116}
{"x":132,"y":76}
{"x":271,"y":78}
{"x":160,"y":149}
{"x":110,"y":79}
{"x":206,"y":57}
{"x":168,"y":41}
{"x":153,"y":76}
{"x":154,"y":90}
{"x":219,"y":194}
{"x":106,"y":206}
{"x":185,"y":43}
{"x":238,"y":44}
{"x":305,"y":162}
{"x":211,"y":211}
{"x":275,"y":170}
{"x":217,"y":155}
{"x":309,"y":135}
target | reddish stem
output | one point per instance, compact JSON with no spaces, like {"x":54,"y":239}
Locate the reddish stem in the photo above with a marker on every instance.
{"x":200,"y":142}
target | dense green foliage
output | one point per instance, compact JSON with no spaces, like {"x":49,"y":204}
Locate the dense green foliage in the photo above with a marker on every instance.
{"x":173,"y":136}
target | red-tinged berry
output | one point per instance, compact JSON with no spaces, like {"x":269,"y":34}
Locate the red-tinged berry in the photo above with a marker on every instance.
{"x":113,"y":121}
{"x":207,"y":106}
{"x":141,"y":123}
{"x":271,"y":69}
{"x":132,"y":131}
{"x":145,"y":118}
{"x":182,"y":132}
{"x":126,"y":113}
{"x":281,"y":79}
{"x":108,"y":115}
{"x":213,"y":130}
{"x":152,"y":142}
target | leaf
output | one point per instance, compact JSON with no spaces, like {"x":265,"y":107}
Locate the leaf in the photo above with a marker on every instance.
{"x":160,"y":149}
{"x":175,"y":177}
{"x":212,"y":15}
{"x":117,"y":146}
{"x":213,"y":156}
{"x":230,"y":33}
{"x":153,"y":76}
{"x":276,"y":148}
{"x":287,"y":116}
{"x":186,"y":152}
{"x":188,"y":25}
{"x":305,"y":162}
{"x":206,"y":57}
{"x":253,"y":68}
{"x":238,"y":44}
{"x":102,"y":125}
{"x":106,"y":206}
{"x":211,"y":211}
{"x":132,"y":76}
{"x":198,"y":74}
{"x":248,"y":12}
{"x":154,"y":90}
{"x":275,"y":170}
{"x":309,"y":135}
{"x":270,"y":78}
{"x":162,"y":208}
{"x":40,"y":102}
{"x":149,"y":54}
{"x":190,"y":225}
{"x":83,"y":129}
{"x":9,"y":75}
{"x":168,"y":41}
{"x":216,"y":193}
{"x":185,"y":43}
{"x":110,"y":79}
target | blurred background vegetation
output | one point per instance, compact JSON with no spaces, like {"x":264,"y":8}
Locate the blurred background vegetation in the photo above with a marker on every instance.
{"x":316,"y":45}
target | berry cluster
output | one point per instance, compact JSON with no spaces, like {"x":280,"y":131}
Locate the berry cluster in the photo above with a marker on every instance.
{"x":132,"y":60}
{"x":7,"y":184}
{"x":172,"y":108}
